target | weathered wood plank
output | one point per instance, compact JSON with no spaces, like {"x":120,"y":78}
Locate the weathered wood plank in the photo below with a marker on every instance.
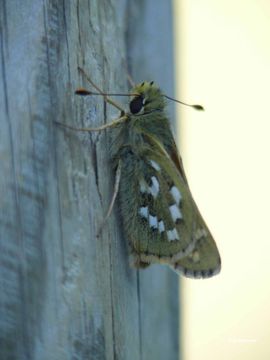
{"x":151,"y":58}
{"x":64,"y":294}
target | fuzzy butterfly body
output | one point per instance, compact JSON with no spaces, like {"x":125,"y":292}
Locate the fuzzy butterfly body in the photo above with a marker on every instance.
{"x":161,"y":220}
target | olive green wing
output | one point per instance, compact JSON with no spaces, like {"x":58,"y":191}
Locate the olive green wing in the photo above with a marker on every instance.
{"x":161,"y":219}
{"x":204,"y":260}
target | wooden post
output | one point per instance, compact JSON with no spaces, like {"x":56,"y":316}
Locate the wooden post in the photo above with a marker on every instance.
{"x":64,"y":293}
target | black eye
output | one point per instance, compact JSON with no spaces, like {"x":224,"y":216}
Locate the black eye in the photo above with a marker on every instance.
{"x":136,"y":104}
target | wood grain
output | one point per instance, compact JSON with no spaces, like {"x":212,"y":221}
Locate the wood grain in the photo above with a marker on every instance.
{"x":64,"y":293}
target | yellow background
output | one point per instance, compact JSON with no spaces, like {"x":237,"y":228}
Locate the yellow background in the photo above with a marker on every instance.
{"x":223,"y":62}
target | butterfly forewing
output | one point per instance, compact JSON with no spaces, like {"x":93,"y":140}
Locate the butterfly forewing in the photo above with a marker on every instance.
{"x":160,"y":226}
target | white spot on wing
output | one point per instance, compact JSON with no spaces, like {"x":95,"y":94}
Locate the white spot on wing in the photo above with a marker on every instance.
{"x":195,"y":256}
{"x":161,"y":227}
{"x":143,"y":186}
{"x":172,"y":235}
{"x":154,"y":188}
{"x":153,"y":221}
{"x":143,"y":211}
{"x":175,"y":212}
{"x":201,"y":232}
{"x":155,"y":165}
{"x":176,"y":194}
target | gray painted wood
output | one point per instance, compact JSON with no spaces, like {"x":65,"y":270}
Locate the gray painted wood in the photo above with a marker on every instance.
{"x":64,"y":293}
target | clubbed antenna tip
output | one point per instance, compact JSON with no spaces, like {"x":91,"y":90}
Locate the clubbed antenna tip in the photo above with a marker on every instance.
{"x":83,"y":92}
{"x":198,"y":107}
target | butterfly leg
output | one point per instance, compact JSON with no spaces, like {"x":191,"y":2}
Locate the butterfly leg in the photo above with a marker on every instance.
{"x":115,"y":192}
{"x":100,"y":128}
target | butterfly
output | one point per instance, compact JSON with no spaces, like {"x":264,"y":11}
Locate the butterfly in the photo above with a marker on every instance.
{"x":161,"y":221}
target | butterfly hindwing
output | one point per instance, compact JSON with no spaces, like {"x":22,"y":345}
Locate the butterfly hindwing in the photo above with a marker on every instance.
{"x":157,"y":201}
{"x":202,"y":262}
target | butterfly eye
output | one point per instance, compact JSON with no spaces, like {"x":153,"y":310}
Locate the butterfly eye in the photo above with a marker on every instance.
{"x":136,"y":104}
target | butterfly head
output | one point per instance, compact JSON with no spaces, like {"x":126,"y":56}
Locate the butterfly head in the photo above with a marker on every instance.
{"x":148,"y":98}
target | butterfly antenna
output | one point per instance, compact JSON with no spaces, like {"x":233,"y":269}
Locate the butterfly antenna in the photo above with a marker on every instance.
{"x":196,"y":106}
{"x":84,"y":92}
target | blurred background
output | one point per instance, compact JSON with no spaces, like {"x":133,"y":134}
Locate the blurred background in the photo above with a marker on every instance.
{"x":223,"y":62}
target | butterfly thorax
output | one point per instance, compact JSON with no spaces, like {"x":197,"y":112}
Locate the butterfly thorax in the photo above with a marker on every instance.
{"x":146,"y":120}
